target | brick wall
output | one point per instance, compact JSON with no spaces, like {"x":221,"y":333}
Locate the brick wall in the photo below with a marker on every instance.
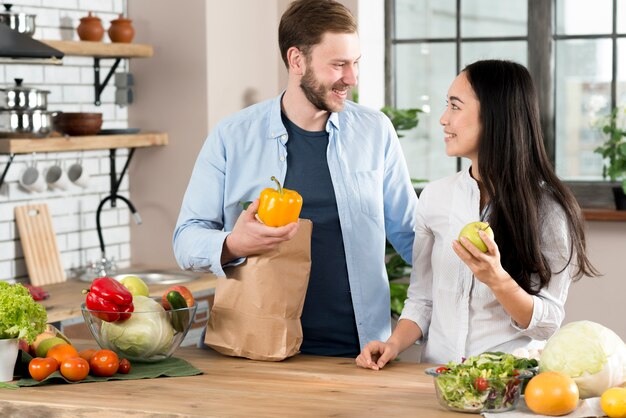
{"x":71,"y":89}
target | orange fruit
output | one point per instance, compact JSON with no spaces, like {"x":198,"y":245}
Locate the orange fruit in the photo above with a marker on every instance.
{"x":62,"y":351}
{"x":613,"y":402}
{"x":551,"y":393}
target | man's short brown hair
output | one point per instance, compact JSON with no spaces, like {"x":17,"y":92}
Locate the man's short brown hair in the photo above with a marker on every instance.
{"x":306,"y":21}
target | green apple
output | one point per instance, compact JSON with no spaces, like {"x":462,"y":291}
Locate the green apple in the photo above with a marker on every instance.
{"x":470,"y":231}
{"x":135,"y":285}
{"x":47,"y":344}
{"x":49,"y":332}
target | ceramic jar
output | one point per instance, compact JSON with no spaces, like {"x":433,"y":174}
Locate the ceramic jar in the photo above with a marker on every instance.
{"x":90,"y":28}
{"x":121,"y":30}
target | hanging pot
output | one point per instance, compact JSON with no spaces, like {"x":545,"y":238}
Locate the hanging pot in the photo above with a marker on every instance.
{"x":19,"y":97}
{"x":620,"y":198}
{"x":8,"y":357}
{"x":21,"y":22}
{"x":25,"y":123}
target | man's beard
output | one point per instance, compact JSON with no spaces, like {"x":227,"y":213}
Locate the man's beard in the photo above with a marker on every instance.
{"x":316,"y":92}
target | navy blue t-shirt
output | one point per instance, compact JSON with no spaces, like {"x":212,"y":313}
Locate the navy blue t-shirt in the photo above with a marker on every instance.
{"x":328,"y":323}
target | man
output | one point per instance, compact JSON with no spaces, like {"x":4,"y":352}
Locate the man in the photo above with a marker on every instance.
{"x":344,"y":159}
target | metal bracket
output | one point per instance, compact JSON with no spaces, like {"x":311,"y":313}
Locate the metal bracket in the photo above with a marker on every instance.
{"x":115,"y":183}
{"x":4,"y":173}
{"x":96,"y":73}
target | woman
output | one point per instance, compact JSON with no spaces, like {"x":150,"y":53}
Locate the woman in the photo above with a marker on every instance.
{"x":462,"y":301}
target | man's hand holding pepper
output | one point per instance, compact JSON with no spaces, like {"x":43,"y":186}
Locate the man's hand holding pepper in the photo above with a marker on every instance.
{"x":250,"y":237}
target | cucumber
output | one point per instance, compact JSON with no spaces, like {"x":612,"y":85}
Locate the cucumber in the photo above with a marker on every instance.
{"x":180,"y":319}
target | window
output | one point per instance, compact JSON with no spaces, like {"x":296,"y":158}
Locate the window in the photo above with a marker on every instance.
{"x":575,"y":50}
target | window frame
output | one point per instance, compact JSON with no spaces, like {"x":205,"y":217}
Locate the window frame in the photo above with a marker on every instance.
{"x":542,"y":41}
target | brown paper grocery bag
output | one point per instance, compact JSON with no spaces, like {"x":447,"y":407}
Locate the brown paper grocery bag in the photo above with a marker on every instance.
{"x":257,"y":307}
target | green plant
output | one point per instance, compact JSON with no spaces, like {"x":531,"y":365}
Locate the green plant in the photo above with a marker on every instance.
{"x":402,"y":119}
{"x":613,"y":150}
{"x":397,"y":268}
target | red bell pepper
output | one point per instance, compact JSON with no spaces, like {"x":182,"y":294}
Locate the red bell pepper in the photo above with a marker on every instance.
{"x":108,"y":296}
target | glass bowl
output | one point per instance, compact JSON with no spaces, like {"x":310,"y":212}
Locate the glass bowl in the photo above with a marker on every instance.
{"x":465,"y":394}
{"x":148,"y":336}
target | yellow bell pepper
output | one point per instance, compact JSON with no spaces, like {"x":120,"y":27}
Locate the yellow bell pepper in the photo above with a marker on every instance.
{"x":279,"y":207}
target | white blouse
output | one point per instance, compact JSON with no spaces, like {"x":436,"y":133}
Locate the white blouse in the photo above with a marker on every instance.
{"x":458,"y":314}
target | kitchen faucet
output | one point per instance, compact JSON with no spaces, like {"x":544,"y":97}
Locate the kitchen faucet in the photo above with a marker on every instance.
{"x":104,"y":266}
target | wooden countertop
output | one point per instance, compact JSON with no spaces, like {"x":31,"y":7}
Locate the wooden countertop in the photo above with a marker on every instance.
{"x":65,"y":298}
{"x":299,"y":386}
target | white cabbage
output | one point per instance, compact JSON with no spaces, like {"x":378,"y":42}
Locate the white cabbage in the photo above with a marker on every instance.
{"x":147,"y":332}
{"x":590,"y":353}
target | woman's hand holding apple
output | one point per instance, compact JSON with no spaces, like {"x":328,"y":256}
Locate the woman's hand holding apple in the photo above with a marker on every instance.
{"x":486,"y":266}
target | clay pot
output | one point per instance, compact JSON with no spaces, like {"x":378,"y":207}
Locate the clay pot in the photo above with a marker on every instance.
{"x":90,"y":28}
{"x":121,"y":30}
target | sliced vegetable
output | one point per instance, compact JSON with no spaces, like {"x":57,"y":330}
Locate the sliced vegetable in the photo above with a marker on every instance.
{"x":485,"y":382}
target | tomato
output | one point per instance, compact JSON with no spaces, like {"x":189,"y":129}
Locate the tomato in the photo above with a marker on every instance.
{"x":551,"y":393}
{"x":124,"y":366}
{"x":104,"y":363}
{"x":441,"y":369}
{"x":481,"y":384}
{"x":75,"y":368}
{"x":87,"y":354}
{"x":42,"y":367}
{"x":613,"y":402}
{"x":62,"y":351}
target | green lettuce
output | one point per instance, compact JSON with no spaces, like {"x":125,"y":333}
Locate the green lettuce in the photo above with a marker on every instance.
{"x":20,"y":316}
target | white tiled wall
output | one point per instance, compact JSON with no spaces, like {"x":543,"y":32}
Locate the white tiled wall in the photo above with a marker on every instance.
{"x":74,"y":210}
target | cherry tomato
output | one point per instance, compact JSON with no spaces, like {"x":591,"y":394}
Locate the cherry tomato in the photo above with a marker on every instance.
{"x":74,"y":368}
{"x":42,"y":367}
{"x":441,"y":369}
{"x":124,"y":366}
{"x":481,"y":384}
{"x":104,"y":363}
{"x":87,"y":354}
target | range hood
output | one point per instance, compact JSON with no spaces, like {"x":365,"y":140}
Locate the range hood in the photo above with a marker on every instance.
{"x":17,"y":48}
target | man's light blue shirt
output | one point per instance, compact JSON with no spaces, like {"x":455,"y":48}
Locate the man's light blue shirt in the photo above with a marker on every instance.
{"x":375,"y":197}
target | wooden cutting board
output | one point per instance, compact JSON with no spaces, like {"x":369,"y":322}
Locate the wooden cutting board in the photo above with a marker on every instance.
{"x":39,"y":244}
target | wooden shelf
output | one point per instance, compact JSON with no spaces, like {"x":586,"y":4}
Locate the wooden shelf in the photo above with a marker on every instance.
{"x":608,"y":215}
{"x":101,"y":49}
{"x":79,"y":143}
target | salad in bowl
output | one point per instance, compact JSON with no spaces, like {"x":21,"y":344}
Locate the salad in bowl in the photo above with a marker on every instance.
{"x":489,"y":382}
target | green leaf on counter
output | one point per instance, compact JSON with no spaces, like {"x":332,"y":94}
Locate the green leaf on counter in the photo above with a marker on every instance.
{"x":171,"y":367}
{"x":4,"y":385}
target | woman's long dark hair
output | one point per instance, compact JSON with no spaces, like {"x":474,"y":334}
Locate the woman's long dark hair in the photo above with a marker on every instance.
{"x":518,"y":175}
